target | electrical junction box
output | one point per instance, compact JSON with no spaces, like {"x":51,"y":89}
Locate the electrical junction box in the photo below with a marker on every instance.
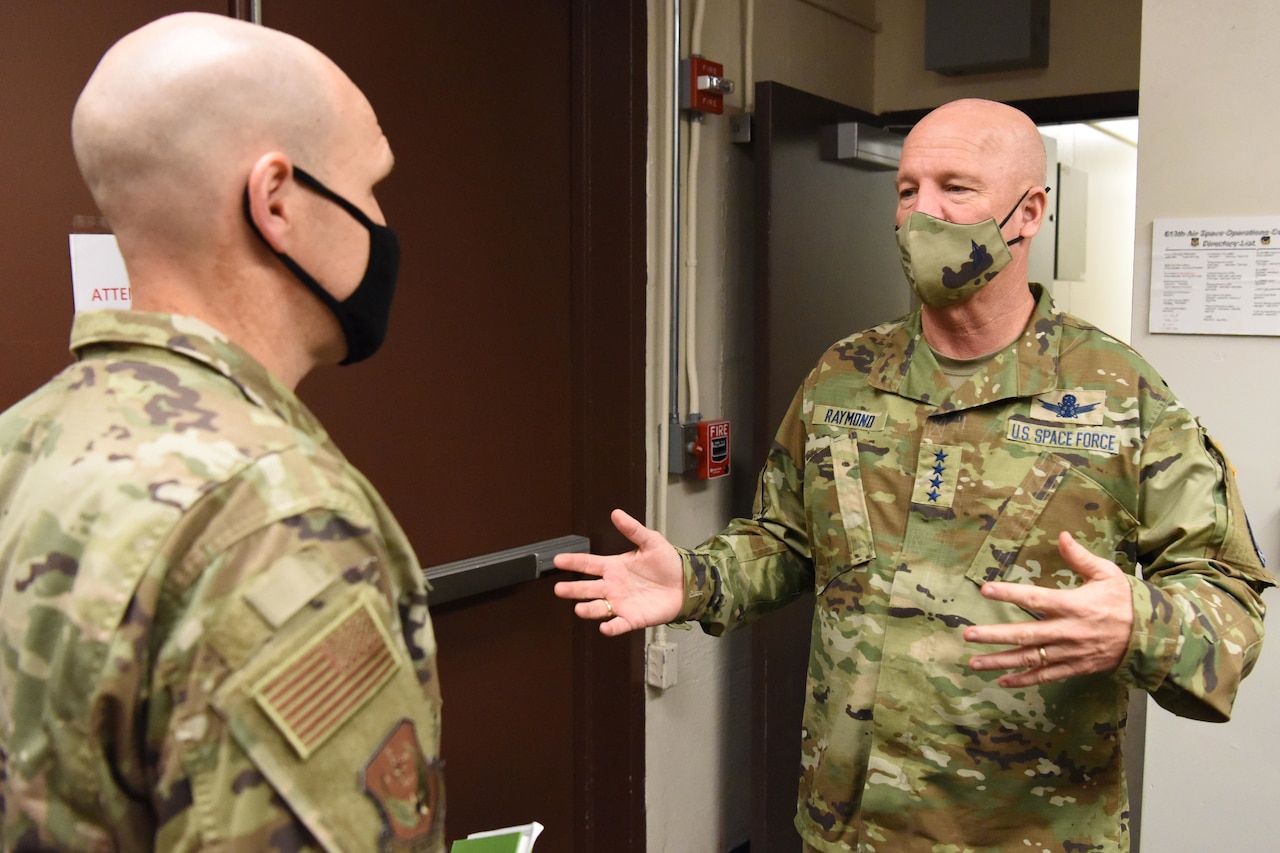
{"x":711,"y":449}
{"x":982,"y":36}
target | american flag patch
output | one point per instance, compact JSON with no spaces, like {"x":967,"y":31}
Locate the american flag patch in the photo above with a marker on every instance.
{"x":310,"y":695}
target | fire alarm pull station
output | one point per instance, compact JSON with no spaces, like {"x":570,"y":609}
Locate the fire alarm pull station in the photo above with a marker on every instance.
{"x":711,"y":448}
{"x":703,"y":85}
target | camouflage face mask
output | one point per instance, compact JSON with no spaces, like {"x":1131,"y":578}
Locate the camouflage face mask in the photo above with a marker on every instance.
{"x":947,"y":263}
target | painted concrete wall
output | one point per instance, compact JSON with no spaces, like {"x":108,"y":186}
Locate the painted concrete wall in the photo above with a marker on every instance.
{"x":1209,"y":125}
{"x":697,"y":768}
{"x":1093,"y":47}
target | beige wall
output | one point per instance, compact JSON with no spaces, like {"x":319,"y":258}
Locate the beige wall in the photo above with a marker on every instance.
{"x":1093,"y":47}
{"x":697,"y":771}
{"x":1209,"y":123}
{"x":805,"y":46}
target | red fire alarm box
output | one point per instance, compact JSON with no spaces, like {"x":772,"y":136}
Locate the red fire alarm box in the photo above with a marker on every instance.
{"x":703,"y":86}
{"x":711,"y":448}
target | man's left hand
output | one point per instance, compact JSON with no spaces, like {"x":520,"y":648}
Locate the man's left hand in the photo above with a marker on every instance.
{"x":1081,"y":630}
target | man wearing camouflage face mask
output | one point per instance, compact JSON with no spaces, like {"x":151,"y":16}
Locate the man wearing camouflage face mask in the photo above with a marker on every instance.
{"x":1008,"y":521}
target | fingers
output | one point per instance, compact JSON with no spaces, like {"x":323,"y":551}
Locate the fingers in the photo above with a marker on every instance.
{"x":597,"y":609}
{"x":1086,"y":564}
{"x":583,"y":564}
{"x":636,"y":533}
{"x":580,"y":590}
{"x":1031,"y":664}
{"x":611,"y":624}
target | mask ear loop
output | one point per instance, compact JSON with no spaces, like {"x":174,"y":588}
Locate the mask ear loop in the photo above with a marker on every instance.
{"x":1012,"y":211}
{"x":356,"y":213}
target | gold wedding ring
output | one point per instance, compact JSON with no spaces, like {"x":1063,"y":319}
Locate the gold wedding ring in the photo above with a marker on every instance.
{"x":1044,"y":656}
{"x":609,"y":614}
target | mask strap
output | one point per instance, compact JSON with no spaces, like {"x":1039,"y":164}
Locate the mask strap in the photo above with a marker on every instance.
{"x":359,"y":215}
{"x":1014,"y":210}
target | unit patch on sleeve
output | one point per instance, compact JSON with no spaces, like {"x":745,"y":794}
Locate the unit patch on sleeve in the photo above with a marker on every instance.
{"x":312,"y":693}
{"x":1070,"y":407}
{"x":848,"y":418}
{"x":408,"y":790}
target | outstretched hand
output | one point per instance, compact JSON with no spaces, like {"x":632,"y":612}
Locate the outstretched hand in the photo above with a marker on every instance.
{"x":1081,"y":630}
{"x":634,"y":590}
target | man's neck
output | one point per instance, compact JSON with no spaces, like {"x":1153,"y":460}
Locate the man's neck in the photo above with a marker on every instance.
{"x":994,"y":318}
{"x":247,"y":315}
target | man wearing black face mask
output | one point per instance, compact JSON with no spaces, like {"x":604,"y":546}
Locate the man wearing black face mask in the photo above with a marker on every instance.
{"x":1008,"y":521}
{"x":213,"y":632}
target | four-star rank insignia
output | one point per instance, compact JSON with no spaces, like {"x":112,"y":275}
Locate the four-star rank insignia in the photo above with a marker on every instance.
{"x":408,"y":790}
{"x":936,"y":474}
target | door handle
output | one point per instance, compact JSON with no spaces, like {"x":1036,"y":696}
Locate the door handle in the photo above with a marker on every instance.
{"x":485,"y":573}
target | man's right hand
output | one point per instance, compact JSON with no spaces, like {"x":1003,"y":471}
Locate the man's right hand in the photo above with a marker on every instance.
{"x":634,"y":590}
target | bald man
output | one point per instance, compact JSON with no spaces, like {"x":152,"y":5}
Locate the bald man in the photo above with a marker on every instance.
{"x":1008,"y":521}
{"x":213,"y":634}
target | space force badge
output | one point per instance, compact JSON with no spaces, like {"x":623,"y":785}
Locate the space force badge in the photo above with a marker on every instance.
{"x":1071,"y":407}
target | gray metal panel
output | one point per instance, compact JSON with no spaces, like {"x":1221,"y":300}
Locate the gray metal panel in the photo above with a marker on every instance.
{"x":835,"y":266}
{"x":979,"y":36}
{"x":861,"y":144}
{"x":1073,"y":209}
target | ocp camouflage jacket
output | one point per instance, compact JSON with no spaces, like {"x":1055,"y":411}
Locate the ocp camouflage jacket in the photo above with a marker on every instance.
{"x":213,"y":634}
{"x":894,"y":498}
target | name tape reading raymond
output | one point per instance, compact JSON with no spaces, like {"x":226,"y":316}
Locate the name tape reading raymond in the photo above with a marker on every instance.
{"x":1093,"y":439}
{"x":848,"y":418}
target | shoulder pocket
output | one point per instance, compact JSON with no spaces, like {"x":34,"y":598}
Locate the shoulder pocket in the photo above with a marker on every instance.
{"x":332,"y":713}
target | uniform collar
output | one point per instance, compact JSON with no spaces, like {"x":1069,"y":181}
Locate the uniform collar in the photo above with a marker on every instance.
{"x":1026,"y":367}
{"x":199,"y":342}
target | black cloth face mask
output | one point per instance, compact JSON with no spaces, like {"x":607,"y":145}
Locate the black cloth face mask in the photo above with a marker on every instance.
{"x":364,"y":315}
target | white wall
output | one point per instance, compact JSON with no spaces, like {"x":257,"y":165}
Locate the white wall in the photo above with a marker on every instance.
{"x":1209,"y":123}
{"x":1107,"y":152}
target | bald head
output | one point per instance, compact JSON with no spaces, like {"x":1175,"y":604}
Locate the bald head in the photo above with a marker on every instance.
{"x":987,"y":136}
{"x":171,"y":120}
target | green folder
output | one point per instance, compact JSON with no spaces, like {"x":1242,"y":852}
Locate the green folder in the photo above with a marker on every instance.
{"x":513,"y":839}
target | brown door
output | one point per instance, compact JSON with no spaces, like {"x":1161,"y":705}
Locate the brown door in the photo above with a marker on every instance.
{"x":825,"y":268}
{"x":507,"y":406}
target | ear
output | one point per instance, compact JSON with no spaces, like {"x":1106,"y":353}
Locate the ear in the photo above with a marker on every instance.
{"x":272,"y":198}
{"x":1032,"y":212}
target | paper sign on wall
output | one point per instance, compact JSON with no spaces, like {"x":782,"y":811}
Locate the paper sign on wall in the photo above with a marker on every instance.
{"x":1216,"y":276}
{"x":98,"y":277}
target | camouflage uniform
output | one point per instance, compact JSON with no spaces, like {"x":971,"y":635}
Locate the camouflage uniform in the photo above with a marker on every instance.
{"x":214,"y":634}
{"x":895,"y":498}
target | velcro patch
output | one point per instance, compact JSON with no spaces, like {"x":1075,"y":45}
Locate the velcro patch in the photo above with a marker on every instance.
{"x":936,"y":473}
{"x":408,"y":789}
{"x":1072,"y":407}
{"x":848,"y":418}
{"x":310,"y":695}
{"x":1104,"y":440}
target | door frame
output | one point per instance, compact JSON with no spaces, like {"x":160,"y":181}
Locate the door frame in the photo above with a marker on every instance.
{"x":609,"y":137}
